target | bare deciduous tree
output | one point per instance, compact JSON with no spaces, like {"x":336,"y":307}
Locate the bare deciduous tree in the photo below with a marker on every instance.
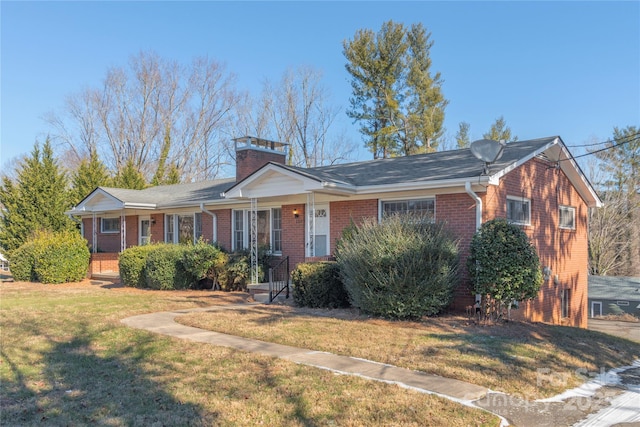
{"x":127,"y":120}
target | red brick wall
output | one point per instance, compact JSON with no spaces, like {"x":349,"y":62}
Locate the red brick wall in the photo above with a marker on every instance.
{"x":565,"y":251}
{"x":459,"y":213}
{"x":103,"y":263}
{"x":224,"y":228}
{"x":106,"y":242}
{"x":157,"y":228}
{"x":249,"y":161}
{"x":293,"y":234}
{"x":341,"y":214}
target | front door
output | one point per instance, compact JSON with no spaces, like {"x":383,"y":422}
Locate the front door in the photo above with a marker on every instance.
{"x":321,"y":236}
{"x":145,"y":231}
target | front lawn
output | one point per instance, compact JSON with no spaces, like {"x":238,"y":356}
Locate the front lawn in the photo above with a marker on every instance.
{"x":66,"y":359}
{"x":528,"y":360}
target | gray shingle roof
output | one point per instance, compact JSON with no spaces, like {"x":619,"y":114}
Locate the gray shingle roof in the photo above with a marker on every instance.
{"x":442,"y":165}
{"x":438,"y":166}
{"x":173,"y":195}
{"x":614,"y":288}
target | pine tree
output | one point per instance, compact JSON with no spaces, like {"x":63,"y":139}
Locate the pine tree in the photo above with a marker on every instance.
{"x":499,"y":131}
{"x":36,"y":200}
{"x":129,"y":177}
{"x":397,"y":102}
{"x":462,"y":137}
{"x":91,"y":173}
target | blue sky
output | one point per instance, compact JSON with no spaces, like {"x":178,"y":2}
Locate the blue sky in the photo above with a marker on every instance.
{"x":550,"y":68}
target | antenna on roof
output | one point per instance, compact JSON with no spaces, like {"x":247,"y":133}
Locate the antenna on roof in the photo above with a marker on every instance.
{"x":488,"y":151}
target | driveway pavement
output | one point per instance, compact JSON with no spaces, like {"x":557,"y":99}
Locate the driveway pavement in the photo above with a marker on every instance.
{"x":628,"y":330}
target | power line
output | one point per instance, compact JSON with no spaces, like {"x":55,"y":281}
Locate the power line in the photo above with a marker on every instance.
{"x":632,"y":137}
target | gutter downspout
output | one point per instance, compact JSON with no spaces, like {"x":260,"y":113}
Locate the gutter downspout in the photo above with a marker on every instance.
{"x":478,"y":200}
{"x":214,"y":217}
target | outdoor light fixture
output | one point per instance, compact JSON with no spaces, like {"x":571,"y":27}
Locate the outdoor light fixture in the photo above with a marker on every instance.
{"x":295,"y":213}
{"x":546,"y":272}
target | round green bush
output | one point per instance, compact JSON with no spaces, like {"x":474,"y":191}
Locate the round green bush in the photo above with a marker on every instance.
{"x":503,"y":264}
{"x":403,"y":267}
{"x":318,"y":285}
{"x":52,"y":257}
{"x":164,"y":269}
{"x":203,"y":261}
{"x":23,"y":263}
{"x":131,"y":265}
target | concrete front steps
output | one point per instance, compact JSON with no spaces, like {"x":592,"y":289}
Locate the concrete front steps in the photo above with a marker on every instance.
{"x":260,"y":293}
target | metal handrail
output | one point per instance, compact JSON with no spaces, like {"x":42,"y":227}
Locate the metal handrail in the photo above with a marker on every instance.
{"x":279,"y":279}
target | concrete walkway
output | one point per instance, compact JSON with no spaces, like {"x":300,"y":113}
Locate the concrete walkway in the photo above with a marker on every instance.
{"x":164,"y":323}
{"x":523,"y":413}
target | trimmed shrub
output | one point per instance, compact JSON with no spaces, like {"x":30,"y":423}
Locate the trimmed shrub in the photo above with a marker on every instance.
{"x":403,"y":267}
{"x":23,"y":262}
{"x":164,"y":269}
{"x":318,"y":285}
{"x":51,"y":257}
{"x":131,"y":264}
{"x":236,"y":274}
{"x":203,"y":261}
{"x":503,"y":265}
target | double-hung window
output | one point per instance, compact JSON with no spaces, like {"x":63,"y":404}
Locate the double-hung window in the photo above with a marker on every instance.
{"x":567,"y":217}
{"x":110,"y":225}
{"x":566,"y":303}
{"x":424,"y":208}
{"x":183,"y":228}
{"x":519,"y":210}
{"x":268,"y":229}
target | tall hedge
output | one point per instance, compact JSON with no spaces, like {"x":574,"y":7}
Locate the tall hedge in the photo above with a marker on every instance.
{"x":51,"y":257}
{"x":403,"y":267}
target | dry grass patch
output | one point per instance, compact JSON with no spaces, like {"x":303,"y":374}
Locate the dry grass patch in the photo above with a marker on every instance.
{"x":67,"y":360}
{"x":529,"y":360}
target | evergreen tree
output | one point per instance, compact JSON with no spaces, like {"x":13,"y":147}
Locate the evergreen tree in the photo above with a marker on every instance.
{"x":36,"y":200}
{"x":462,"y":137}
{"x":397,"y":102}
{"x":91,"y":173}
{"x":499,"y":131}
{"x":129,"y":177}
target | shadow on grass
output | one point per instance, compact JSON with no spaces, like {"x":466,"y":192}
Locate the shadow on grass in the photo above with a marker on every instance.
{"x":78,"y":386}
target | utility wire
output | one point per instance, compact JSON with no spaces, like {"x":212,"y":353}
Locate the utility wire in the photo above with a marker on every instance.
{"x":632,"y":137}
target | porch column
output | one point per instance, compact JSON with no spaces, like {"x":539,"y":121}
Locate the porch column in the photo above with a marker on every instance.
{"x":253,"y":236}
{"x":311,"y":224}
{"x":123,"y":232}
{"x":94,"y":233}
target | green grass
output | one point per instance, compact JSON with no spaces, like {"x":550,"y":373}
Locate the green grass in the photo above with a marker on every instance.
{"x":529,"y":360}
{"x":65,"y":359}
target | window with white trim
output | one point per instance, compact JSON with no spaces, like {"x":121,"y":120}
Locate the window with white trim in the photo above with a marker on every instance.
{"x":419,"y":207}
{"x":567,"y":217}
{"x":110,"y":225}
{"x":519,"y":210}
{"x":269,"y":229}
{"x":183,"y":228}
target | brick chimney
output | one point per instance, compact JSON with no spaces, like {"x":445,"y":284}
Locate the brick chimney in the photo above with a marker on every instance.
{"x":253,"y":153}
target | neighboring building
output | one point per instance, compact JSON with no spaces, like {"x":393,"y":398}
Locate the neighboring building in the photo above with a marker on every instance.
{"x":4,"y":263}
{"x":607,"y":292}
{"x":300,"y":213}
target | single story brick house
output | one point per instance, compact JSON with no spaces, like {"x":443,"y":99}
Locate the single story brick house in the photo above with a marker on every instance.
{"x":607,"y":294}
{"x":301,"y":212}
